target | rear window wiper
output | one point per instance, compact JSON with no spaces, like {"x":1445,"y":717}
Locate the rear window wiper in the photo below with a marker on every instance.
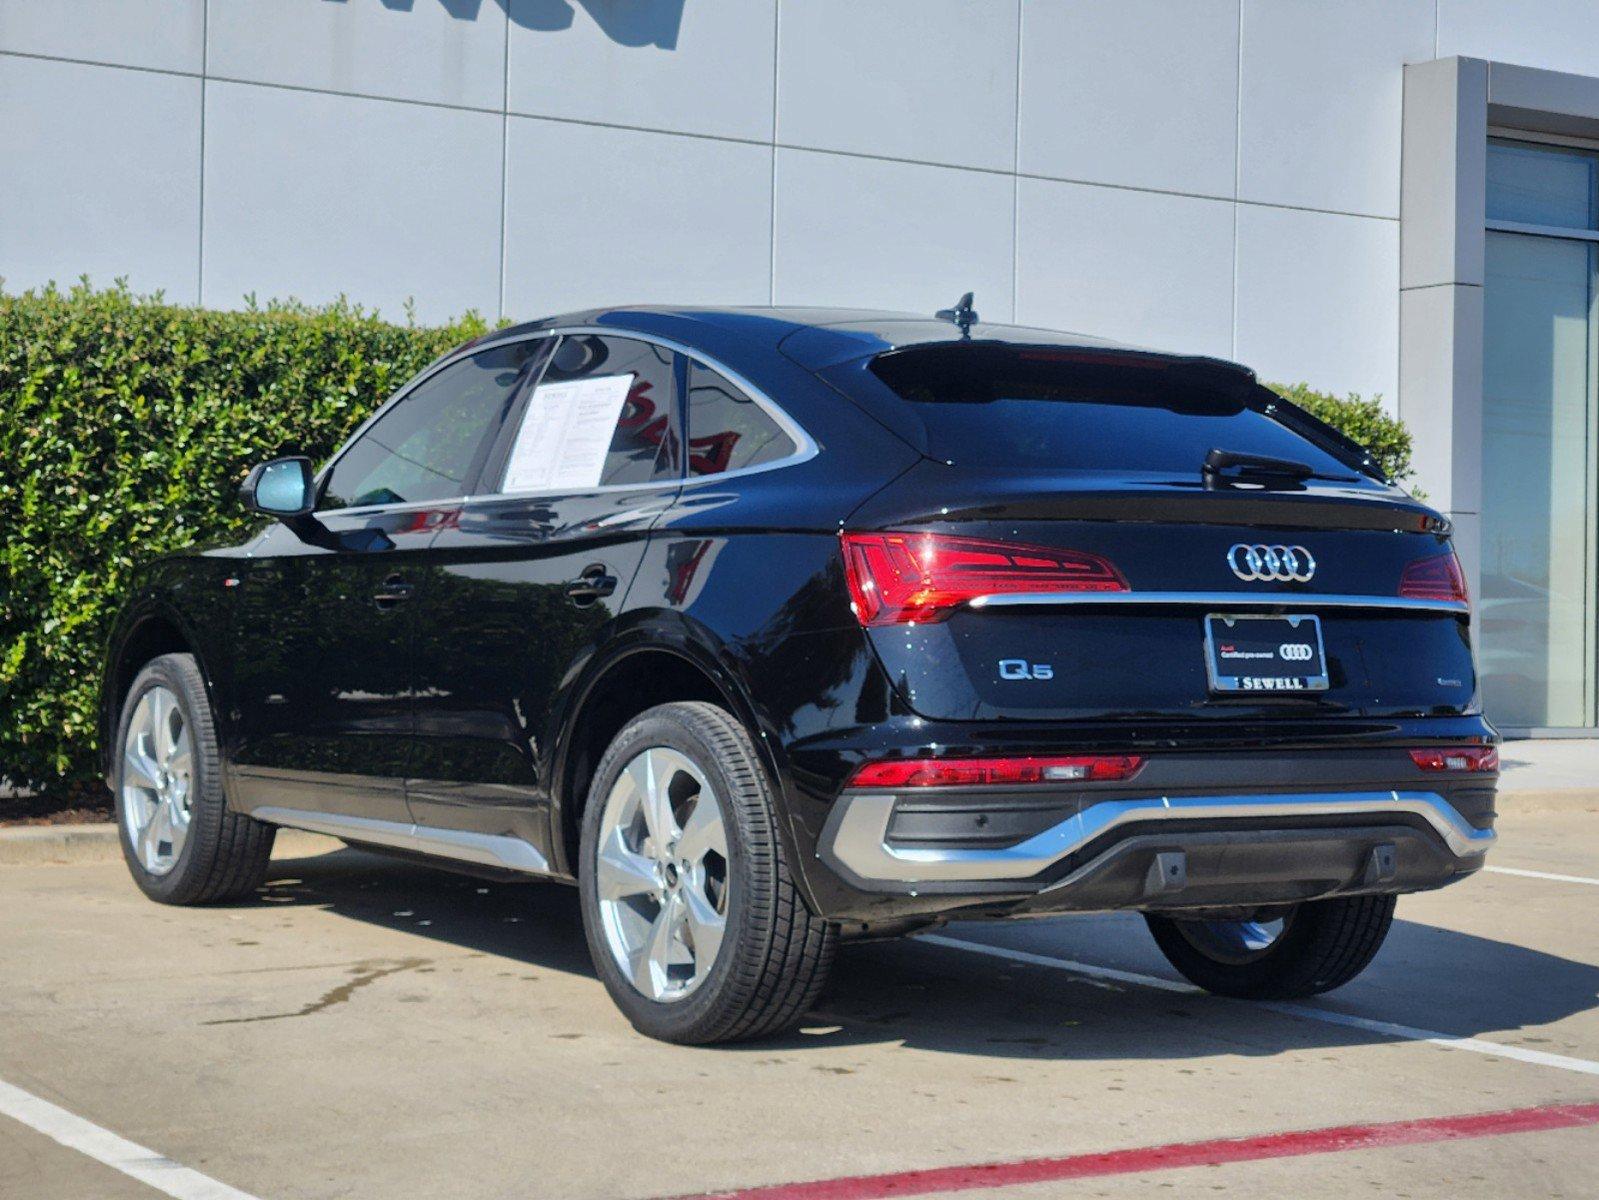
{"x":1311,"y":427}
{"x":1225,"y":468}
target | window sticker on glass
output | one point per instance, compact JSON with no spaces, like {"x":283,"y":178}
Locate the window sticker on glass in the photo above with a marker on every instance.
{"x":566,"y":433}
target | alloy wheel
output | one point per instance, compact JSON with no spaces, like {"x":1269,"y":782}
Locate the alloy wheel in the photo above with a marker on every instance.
{"x":157,"y":780}
{"x":661,"y":874}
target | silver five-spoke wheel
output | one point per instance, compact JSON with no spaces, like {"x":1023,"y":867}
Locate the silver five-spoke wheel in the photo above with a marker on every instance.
{"x":694,"y":922}
{"x":157,"y":780}
{"x":661,"y":873}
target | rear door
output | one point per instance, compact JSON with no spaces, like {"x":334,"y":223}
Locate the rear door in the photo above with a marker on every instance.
{"x":529,"y":575}
{"x":1083,"y":563}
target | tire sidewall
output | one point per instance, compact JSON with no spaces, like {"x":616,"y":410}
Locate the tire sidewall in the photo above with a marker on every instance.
{"x":1258,"y":974}
{"x":1314,"y":954}
{"x":679,"y":1020}
{"x":205,"y":786}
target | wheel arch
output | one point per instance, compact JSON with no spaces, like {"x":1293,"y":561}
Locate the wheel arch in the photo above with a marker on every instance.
{"x":154,"y":630}
{"x":635,"y":675}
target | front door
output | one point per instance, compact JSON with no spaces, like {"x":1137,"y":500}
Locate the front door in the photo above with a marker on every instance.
{"x":531,"y":576}
{"x":327,"y":619}
{"x":322,"y":681}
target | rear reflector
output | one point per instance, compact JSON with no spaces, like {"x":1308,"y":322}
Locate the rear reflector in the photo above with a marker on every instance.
{"x":901,"y":578}
{"x":1434,"y":578}
{"x":1457,"y":758}
{"x":995,"y":772}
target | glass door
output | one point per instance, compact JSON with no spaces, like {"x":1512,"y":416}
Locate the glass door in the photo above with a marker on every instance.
{"x":1537,"y":603}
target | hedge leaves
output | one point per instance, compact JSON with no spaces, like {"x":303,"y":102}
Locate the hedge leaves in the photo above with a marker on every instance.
{"x":125,"y":426}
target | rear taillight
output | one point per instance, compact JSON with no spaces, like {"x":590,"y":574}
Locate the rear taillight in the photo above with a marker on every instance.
{"x":1435,"y":578}
{"x":1457,"y":758}
{"x":995,"y":772}
{"x":899,"y":578}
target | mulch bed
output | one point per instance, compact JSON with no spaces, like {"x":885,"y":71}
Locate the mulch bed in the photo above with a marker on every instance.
{"x":85,"y":804}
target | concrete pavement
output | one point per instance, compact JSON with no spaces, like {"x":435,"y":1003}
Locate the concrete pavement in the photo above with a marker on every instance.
{"x":1551,"y":772}
{"x":370,"y":1028}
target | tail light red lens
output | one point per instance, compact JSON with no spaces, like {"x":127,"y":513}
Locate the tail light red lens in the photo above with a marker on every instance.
{"x":995,"y":772}
{"x":1457,"y":758}
{"x":1435,"y":578}
{"x":901,"y":578}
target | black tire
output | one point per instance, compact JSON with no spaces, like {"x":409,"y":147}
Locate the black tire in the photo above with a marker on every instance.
{"x":775,"y":955}
{"x":225,"y":854}
{"x":1324,"y":944}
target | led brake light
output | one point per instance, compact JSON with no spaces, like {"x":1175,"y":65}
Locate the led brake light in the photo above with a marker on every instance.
{"x":1437,"y":577}
{"x":901,"y":578}
{"x":1457,"y":758}
{"x":995,"y":772}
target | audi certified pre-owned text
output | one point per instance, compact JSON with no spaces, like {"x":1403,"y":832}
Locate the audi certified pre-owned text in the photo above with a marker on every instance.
{"x":771,"y":628}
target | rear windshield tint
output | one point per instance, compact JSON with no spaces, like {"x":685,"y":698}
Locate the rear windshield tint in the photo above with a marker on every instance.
{"x":1022,"y":408}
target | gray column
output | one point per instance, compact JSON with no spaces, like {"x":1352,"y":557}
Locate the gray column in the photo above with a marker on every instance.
{"x":1442,"y":186}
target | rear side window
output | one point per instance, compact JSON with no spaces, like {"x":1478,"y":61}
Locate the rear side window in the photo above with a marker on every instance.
{"x":728,"y":431}
{"x":601,"y":416}
{"x":1020,"y":409}
{"x":431,"y":443}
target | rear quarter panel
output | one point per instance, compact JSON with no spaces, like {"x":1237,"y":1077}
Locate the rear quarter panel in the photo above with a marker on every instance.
{"x":746,"y":572}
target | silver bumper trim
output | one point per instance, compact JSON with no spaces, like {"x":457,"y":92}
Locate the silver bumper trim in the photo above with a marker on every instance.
{"x":860,"y":837}
{"x":1221,"y":601}
{"x":491,"y":850}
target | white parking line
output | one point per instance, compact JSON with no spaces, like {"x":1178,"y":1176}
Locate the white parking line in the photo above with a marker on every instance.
{"x":132,"y":1159}
{"x":1543,"y":875}
{"x":1387,"y":1028}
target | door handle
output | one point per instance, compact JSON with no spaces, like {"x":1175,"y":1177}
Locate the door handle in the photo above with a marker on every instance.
{"x":392,"y":591}
{"x":594,"y":583}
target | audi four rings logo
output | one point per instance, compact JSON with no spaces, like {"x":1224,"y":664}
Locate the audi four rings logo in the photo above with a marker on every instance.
{"x":1294,"y":652}
{"x":1271,"y":564}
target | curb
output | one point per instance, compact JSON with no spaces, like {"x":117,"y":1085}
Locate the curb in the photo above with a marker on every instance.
{"x":1549,"y":800}
{"x":35,"y":845}
{"x":83,"y":845}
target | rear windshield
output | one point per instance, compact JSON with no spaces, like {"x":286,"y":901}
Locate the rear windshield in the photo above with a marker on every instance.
{"x":1023,"y":408}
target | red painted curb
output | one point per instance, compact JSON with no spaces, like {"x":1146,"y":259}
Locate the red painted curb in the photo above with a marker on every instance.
{"x":1178,"y":1154}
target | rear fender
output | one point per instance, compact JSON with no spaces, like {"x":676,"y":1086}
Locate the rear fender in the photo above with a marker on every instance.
{"x":665,"y":631}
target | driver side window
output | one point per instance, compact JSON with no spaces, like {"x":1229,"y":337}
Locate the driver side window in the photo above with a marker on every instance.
{"x":431,"y":444}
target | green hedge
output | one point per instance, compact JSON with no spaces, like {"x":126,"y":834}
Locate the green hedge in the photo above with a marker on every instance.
{"x":1358,"y":418}
{"x":126,"y":424}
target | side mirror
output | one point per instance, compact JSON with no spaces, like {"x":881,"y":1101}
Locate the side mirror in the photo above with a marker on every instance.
{"x":283,"y":488}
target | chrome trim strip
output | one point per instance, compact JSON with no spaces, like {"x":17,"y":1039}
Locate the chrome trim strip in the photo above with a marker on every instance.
{"x":372,"y":510}
{"x":507,"y":853}
{"x":860,"y":838}
{"x":1223,"y":601}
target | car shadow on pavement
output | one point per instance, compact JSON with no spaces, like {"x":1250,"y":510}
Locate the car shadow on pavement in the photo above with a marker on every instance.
{"x":532,"y":922}
{"x":941,"y":998}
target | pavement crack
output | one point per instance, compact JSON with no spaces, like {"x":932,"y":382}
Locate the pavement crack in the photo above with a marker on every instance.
{"x":364,"y":974}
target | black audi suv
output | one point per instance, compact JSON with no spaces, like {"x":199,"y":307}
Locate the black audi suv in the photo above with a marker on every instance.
{"x":770,"y":628}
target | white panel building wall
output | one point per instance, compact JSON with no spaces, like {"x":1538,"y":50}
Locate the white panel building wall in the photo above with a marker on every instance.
{"x":1210,"y":175}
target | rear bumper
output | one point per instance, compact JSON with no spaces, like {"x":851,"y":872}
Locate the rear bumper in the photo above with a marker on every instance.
{"x":1158,"y":852}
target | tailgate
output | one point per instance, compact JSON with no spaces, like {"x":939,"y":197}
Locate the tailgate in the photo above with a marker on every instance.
{"x":1160,"y":648}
